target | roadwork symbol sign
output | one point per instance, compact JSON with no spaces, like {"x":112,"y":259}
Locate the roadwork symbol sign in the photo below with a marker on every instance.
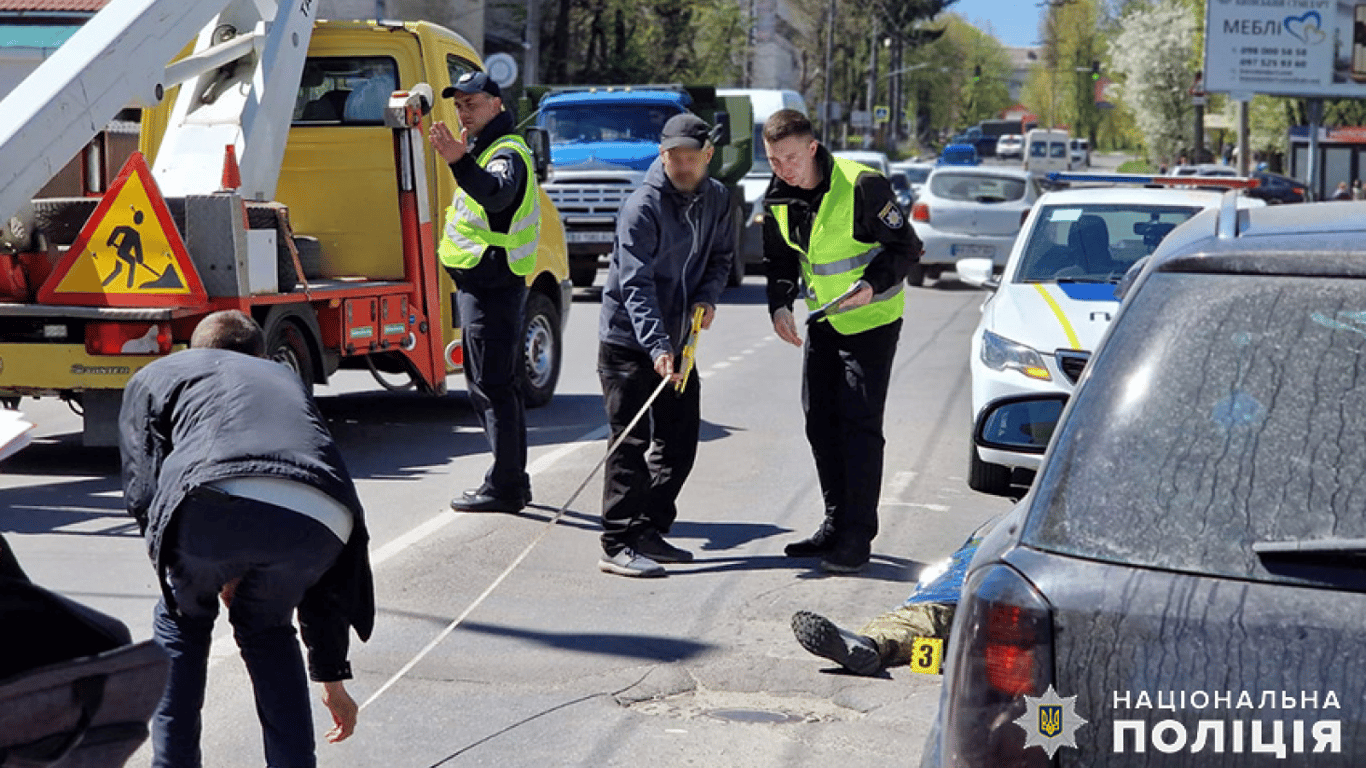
{"x":129,"y":254}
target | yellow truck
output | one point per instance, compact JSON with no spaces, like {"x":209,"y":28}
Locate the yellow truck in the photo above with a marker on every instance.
{"x":338,"y":265}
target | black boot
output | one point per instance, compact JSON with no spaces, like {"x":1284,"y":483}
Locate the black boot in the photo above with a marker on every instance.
{"x":820,"y":636}
{"x":819,"y":544}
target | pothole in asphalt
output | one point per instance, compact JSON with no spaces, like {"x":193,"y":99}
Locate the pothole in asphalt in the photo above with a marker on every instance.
{"x":755,"y":716}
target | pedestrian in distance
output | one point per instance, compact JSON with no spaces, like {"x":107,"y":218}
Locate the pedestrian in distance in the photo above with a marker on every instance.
{"x":1342,"y":193}
{"x":488,"y":248}
{"x":833,"y":229}
{"x":673,"y":250}
{"x":235,"y":482}
{"x":1357,"y":193}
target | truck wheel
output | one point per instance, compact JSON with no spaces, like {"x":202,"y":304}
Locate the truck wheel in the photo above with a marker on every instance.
{"x":581,"y":275}
{"x":985,"y":477}
{"x":916,"y":277}
{"x":540,"y":350}
{"x":287,"y":345}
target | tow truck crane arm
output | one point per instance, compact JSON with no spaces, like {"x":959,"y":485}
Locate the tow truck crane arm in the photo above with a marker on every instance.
{"x":119,"y":59}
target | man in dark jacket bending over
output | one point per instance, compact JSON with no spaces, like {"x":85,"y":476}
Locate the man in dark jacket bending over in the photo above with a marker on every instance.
{"x":673,"y":250}
{"x":240,"y":492}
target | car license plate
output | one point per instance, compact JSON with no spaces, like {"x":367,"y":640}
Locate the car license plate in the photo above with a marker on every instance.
{"x":973,"y":251}
{"x":589,"y":237}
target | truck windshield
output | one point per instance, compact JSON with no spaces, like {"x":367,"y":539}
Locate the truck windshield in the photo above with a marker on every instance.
{"x":600,"y":122}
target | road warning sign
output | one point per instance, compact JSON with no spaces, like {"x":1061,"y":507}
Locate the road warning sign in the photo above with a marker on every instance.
{"x":129,"y":254}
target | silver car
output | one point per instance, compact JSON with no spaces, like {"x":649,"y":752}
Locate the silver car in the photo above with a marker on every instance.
{"x":969,"y":212}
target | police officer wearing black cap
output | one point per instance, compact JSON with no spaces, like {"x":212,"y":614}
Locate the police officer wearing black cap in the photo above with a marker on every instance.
{"x":673,"y":250}
{"x":488,"y":247}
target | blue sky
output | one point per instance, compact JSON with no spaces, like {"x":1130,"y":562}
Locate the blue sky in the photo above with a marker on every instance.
{"x":1013,"y":22}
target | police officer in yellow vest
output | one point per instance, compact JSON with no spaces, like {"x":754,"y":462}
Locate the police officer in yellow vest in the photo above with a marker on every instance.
{"x":834,"y":225}
{"x":489,"y":246}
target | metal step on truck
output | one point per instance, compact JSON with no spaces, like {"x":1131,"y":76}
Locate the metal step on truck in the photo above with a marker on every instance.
{"x":603,"y":140}
{"x":284,"y":171}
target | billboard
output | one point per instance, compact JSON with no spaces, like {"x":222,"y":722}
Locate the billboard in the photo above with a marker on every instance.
{"x":1306,"y":48}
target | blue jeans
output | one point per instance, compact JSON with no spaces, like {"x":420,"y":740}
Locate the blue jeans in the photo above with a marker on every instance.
{"x":278,"y":554}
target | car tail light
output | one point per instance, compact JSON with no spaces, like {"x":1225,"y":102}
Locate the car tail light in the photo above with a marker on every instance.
{"x":128,"y":338}
{"x":920,"y":212}
{"x":1006,"y":632}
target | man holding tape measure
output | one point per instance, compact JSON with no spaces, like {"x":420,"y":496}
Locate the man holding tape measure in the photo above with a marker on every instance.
{"x":835,"y":227}
{"x":673,"y":251}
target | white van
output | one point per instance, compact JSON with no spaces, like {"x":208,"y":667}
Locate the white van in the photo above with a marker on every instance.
{"x":1046,"y":151}
{"x":765,"y":101}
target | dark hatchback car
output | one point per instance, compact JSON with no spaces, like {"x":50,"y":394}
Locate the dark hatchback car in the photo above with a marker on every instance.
{"x":1187,"y":574}
{"x":1275,"y":188}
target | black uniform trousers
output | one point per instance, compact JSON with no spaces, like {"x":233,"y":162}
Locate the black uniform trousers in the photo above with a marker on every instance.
{"x":639,"y":491}
{"x":492,"y":345}
{"x":844,"y":394}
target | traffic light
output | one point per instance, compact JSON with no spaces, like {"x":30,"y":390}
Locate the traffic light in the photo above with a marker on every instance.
{"x":977,"y":73}
{"x":1095,"y":70}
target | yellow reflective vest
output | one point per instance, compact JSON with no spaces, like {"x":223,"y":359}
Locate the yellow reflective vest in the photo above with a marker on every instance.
{"x":468,"y":234}
{"x":833,"y":261}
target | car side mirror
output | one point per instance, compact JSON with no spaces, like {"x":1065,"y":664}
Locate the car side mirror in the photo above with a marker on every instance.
{"x":538,"y":139}
{"x":1023,"y":424}
{"x":720,"y":132}
{"x":977,"y":273}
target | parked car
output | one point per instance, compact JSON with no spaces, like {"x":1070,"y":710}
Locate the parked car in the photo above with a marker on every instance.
{"x":958,"y":154}
{"x":1010,"y":146}
{"x":1203,"y":169}
{"x":1055,"y":299}
{"x":1275,"y":188}
{"x":1185,"y":574}
{"x":902,"y":186}
{"x":875,"y":160}
{"x":1081,"y":152}
{"x":966,"y":212}
{"x":916,"y":172}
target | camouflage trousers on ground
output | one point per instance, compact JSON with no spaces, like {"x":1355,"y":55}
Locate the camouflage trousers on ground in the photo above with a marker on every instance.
{"x":895,"y":630}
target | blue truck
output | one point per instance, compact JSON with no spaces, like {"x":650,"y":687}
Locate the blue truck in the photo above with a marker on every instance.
{"x":603,"y":140}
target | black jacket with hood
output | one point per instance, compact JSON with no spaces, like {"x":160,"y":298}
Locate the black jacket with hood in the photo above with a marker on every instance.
{"x":673,"y":250}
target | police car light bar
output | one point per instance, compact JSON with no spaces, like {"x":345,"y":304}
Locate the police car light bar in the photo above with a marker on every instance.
{"x":1228,"y":182}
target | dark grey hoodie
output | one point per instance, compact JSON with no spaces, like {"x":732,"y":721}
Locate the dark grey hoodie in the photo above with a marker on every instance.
{"x":673,"y":250}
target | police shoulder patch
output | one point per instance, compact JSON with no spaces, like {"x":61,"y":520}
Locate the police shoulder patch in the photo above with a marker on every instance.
{"x":891,"y":216}
{"x":498,"y":165}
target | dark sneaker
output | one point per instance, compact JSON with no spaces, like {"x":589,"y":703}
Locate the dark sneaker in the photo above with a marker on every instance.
{"x":820,"y":636}
{"x":628,"y":563}
{"x":653,"y":546}
{"x":482,"y":502}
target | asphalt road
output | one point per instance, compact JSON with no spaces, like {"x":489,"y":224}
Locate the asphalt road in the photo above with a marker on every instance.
{"x":542,"y":660}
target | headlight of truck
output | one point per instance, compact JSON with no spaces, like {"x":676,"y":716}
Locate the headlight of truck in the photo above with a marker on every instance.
{"x":1000,"y":353}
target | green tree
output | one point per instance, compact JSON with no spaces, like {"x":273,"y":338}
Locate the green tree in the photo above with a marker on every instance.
{"x":645,"y":41}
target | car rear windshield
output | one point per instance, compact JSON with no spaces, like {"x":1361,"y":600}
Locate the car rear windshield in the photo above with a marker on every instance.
{"x":1221,"y":412}
{"x":1094,"y":242}
{"x":977,"y":187}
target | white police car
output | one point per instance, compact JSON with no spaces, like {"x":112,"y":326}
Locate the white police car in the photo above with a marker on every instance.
{"x":1056,"y":296}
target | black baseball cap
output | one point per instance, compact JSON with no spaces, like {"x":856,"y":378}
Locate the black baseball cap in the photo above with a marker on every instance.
{"x":473,"y":82}
{"x":685,"y":130}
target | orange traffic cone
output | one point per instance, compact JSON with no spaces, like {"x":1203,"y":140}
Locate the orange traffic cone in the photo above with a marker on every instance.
{"x":232,"y":175}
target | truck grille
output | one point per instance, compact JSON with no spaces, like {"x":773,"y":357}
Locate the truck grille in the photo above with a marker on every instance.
{"x":1072,"y":363}
{"x":588,"y":198}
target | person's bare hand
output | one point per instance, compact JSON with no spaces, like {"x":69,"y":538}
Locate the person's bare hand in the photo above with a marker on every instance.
{"x":343,"y":708}
{"x":708,"y":314}
{"x":861,"y":297}
{"x":446,"y":144}
{"x":229,"y":591}
{"x":786,"y":327}
{"x":664,"y":366}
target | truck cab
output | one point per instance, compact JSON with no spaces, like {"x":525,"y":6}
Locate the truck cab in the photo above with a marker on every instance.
{"x":603,"y":140}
